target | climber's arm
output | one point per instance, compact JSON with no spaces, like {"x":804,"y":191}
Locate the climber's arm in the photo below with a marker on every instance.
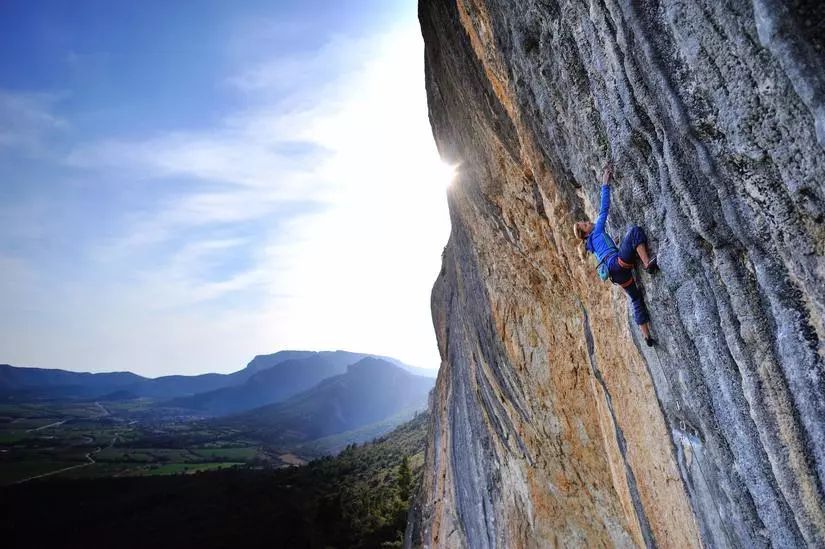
{"x":605,"y":201}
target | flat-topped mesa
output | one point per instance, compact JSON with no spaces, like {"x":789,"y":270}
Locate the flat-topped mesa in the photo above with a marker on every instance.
{"x":551,"y":424}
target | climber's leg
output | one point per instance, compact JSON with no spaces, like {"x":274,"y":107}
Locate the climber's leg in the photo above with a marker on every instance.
{"x":640,"y":314}
{"x":645,"y":329}
{"x":631,"y":243}
{"x":624,"y":278}
{"x":641,"y":251}
{"x":637,"y":302}
{"x":633,"y":246}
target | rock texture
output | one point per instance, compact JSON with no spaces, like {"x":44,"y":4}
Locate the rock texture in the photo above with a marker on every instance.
{"x":551,"y":425}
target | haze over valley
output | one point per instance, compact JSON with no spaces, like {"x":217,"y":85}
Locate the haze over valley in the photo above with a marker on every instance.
{"x":282,"y":409}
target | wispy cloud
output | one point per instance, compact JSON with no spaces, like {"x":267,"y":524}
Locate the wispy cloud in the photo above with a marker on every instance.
{"x":249,"y":156}
{"x":339,"y":57}
{"x":312,"y":217}
{"x":27,"y":119}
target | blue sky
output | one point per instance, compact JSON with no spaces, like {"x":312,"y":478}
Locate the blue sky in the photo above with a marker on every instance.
{"x":186,"y":184}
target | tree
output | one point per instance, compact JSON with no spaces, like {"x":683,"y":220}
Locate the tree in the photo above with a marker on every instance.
{"x":404,"y":480}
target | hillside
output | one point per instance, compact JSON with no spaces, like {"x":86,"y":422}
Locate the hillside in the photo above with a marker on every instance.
{"x":273,"y":382}
{"x":371,"y":391}
{"x":351,"y":500}
{"x":18,"y":383}
{"x":15,"y":380}
{"x":553,"y":423}
{"x":266,"y":386}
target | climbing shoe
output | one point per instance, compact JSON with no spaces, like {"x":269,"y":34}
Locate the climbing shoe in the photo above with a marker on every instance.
{"x":653,"y":266}
{"x":650,"y":341}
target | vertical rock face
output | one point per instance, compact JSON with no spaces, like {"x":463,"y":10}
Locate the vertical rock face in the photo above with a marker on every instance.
{"x":551,"y":424}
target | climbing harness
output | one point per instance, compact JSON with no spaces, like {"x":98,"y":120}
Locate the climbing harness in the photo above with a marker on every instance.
{"x":624,"y":265}
{"x":627,"y":282}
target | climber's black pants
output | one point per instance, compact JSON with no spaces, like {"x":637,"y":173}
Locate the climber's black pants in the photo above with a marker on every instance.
{"x":621,"y":271}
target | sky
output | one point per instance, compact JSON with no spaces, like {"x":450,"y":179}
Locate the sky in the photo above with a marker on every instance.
{"x":184,"y":185}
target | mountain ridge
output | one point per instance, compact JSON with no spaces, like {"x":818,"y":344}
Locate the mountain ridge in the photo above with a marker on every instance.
{"x":59,"y":383}
{"x":267,"y":385}
{"x":369,"y":391}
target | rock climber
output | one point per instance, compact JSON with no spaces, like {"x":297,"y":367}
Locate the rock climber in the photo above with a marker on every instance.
{"x":617,"y":263}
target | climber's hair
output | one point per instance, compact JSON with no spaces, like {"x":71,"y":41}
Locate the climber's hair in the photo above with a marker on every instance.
{"x":578,"y":232}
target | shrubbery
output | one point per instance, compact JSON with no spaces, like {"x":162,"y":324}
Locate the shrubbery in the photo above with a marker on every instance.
{"x":359,"y":498}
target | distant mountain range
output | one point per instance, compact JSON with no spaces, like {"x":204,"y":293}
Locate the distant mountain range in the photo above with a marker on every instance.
{"x":371,"y":391}
{"x":271,"y":384}
{"x":25,"y":383}
{"x":298,"y":404}
{"x":36,"y":382}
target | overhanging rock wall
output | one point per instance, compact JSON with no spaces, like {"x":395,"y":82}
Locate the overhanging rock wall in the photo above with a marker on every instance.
{"x":552,"y":425}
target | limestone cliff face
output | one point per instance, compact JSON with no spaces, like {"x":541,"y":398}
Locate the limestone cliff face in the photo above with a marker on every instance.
{"x":551,"y":424}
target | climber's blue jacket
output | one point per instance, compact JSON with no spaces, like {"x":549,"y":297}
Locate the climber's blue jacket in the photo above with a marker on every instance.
{"x":619,"y":262}
{"x":597,"y":241}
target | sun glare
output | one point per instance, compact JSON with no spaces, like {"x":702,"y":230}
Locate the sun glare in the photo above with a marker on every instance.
{"x":441,"y":173}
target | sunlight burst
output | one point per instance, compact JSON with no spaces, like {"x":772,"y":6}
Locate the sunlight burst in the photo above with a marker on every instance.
{"x":440,"y":173}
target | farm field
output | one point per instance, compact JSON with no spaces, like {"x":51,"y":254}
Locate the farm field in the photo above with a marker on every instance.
{"x":113,"y":439}
{"x":358,"y":498}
